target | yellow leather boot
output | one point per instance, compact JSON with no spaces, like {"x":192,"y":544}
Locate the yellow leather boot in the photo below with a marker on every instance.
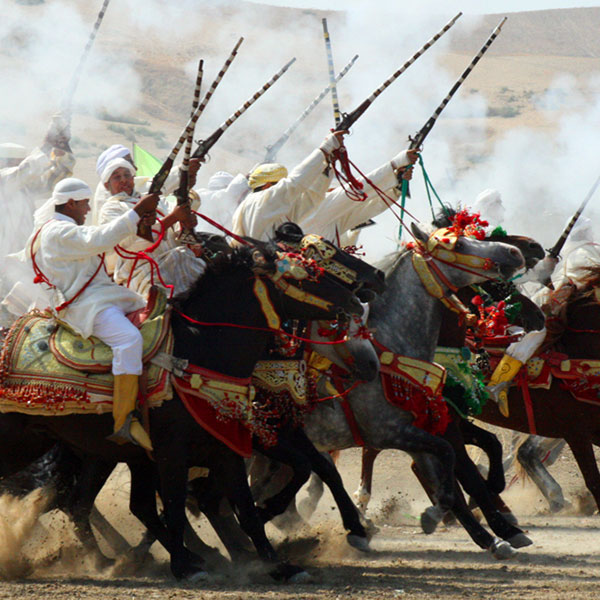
{"x":503,"y":374}
{"x":127,"y":426}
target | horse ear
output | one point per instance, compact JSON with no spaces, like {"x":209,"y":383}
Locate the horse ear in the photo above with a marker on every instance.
{"x":260,"y":263}
{"x":422,"y":231}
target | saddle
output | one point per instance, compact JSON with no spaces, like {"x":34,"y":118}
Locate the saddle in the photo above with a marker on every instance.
{"x":94,"y":356}
{"x":47,"y":369}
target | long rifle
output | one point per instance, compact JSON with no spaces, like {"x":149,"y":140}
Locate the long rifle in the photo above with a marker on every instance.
{"x":182,"y":192}
{"x":68,"y":98}
{"x":350,"y":118}
{"x":556,"y":249}
{"x":332,"y":81}
{"x":205,"y":145}
{"x":159,"y":179}
{"x":273,"y":149}
{"x":419,"y":138}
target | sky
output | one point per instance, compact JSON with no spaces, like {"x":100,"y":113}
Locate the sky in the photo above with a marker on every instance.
{"x":466,"y":6}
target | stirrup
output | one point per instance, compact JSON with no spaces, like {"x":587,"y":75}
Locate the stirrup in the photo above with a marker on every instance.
{"x":123,"y":435}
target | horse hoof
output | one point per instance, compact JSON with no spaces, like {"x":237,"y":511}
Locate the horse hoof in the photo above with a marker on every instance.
{"x":510,"y":518}
{"x":519,"y":541}
{"x":289,"y":573}
{"x":302,"y":577}
{"x":358,"y":542}
{"x":430,"y":518}
{"x":501,"y":550}
{"x":197,"y":576}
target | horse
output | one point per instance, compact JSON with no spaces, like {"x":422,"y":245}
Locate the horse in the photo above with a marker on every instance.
{"x":200,"y":321}
{"x":555,"y":412}
{"x":394,"y":315}
{"x":462,"y":431}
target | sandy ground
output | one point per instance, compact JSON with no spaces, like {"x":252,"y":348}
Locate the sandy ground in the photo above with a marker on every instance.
{"x":43,"y":559}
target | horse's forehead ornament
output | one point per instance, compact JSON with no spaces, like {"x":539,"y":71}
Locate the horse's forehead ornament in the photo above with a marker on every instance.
{"x":324,"y":248}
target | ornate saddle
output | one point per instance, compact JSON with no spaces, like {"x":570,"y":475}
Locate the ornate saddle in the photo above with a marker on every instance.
{"x":47,"y":369}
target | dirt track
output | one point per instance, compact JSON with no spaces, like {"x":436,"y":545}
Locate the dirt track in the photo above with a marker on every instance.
{"x":564,"y":561}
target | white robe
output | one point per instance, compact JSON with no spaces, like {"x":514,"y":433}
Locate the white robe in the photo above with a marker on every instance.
{"x":67,"y":254}
{"x":337,"y":214}
{"x":290,"y":199}
{"x":21,"y":189}
{"x":177,"y":264}
{"x":220,"y":205}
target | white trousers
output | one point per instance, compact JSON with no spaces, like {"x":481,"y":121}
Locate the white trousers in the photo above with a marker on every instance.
{"x":117,"y":331}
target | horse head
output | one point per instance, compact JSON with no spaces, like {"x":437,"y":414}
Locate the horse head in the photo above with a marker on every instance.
{"x":531,"y":250}
{"x":301,"y":288}
{"x":357,"y":275}
{"x":450,"y":260}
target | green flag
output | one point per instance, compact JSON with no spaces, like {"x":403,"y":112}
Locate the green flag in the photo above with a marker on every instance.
{"x":147,"y":164}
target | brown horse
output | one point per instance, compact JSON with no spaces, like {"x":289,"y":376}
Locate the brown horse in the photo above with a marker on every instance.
{"x":556,"y":413}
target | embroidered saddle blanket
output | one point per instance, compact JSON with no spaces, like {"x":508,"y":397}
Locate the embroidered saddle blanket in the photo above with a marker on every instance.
{"x":45,"y":369}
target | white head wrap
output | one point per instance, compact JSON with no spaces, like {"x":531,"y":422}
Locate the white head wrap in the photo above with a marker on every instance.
{"x":10,"y":150}
{"x":65,"y":190}
{"x":220,"y":180}
{"x":489,"y":205}
{"x":113,"y":165}
{"x":116,"y":151}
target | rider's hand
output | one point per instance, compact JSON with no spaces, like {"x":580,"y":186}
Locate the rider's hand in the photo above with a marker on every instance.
{"x":146,"y":204}
{"x":332,"y":142}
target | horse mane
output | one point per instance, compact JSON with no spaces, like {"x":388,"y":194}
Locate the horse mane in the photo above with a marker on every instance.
{"x":240,"y":257}
{"x":591,"y":278}
{"x":390,"y":261}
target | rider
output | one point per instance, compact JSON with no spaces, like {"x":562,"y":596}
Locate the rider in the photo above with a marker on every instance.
{"x":69,"y":257}
{"x":177,"y":264}
{"x":278,"y":197}
{"x":141,"y":182}
{"x":580,"y":252}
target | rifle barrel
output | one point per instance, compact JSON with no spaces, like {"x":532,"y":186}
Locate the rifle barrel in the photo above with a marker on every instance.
{"x":273,"y":149}
{"x":332,"y":81}
{"x":424,"y":132}
{"x":159,"y":179}
{"x":350,"y":118}
{"x":555,"y":250}
{"x":205,"y":145}
{"x":66,"y":105}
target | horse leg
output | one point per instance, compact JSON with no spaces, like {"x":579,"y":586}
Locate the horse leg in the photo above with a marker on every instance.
{"x":473,"y":483}
{"x":309,"y":503}
{"x":499,"y":549}
{"x":326,"y":470}
{"x":489,"y":443}
{"x":363,"y":493}
{"x":234,"y":482}
{"x":528,"y":457}
{"x":583,"y":452}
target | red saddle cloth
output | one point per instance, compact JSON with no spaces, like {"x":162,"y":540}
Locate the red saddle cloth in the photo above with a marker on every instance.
{"x":220,"y":404}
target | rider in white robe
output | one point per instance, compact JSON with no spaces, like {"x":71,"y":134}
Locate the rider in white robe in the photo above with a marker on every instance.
{"x":278,"y":197}
{"x":177,"y":264}
{"x":220,"y":199}
{"x":68,"y":256}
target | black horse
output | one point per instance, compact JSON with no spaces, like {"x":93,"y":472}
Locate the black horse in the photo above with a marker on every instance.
{"x":223,"y":295}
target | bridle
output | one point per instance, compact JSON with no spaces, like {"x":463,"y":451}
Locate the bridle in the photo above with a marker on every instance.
{"x":440,"y":248}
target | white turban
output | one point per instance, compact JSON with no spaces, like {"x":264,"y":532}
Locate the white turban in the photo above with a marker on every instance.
{"x":116,"y":151}
{"x":219,"y":181}
{"x":113,"y":165}
{"x":65,"y":190}
{"x":489,"y":205}
{"x":10,"y":150}
{"x":582,"y":230}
